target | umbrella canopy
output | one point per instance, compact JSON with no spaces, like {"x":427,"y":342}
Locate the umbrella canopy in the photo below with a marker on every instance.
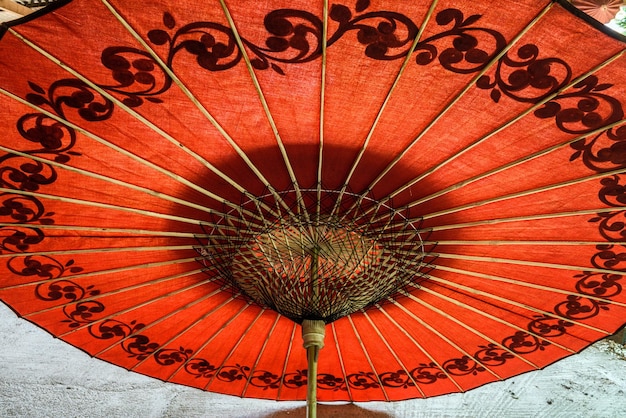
{"x":438,"y":187}
{"x":601,"y":10}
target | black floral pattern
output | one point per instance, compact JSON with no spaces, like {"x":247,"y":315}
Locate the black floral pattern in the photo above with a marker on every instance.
{"x":295,"y":37}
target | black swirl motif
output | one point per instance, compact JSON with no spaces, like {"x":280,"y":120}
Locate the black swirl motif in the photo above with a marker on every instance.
{"x":524,"y":343}
{"x":526,"y":78}
{"x":52,"y":139}
{"x":551,"y":327}
{"x":612,"y":224}
{"x":137,"y":346}
{"x":295,"y":36}
{"x":463,"y":366}
{"x":584,"y":110}
{"x":20,"y":239}
{"x":42,"y":266}
{"x":602,"y":152}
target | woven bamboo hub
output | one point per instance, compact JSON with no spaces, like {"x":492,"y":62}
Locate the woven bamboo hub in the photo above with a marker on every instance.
{"x":314,"y":254}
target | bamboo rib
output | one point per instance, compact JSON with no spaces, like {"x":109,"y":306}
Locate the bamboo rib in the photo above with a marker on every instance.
{"x":91,"y":203}
{"x":492,"y":317}
{"x":322,"y":108}
{"x":515,"y":163}
{"x":214,"y":335}
{"x":367,"y":356}
{"x":523,"y":243}
{"x":100,"y":250}
{"x":190,"y":95}
{"x":542,"y":189}
{"x":393,"y":353}
{"x":248,"y":328}
{"x":117,"y":149}
{"x":520,"y":218}
{"x":123,"y":290}
{"x":341,"y":362}
{"x":450,"y":104}
{"x":142,"y":330}
{"x":130,"y":111}
{"x":291,"y":342}
{"x":524,"y":284}
{"x":520,"y":305}
{"x":146,"y":326}
{"x":395,"y":83}
{"x":187,"y":328}
{"x":524,"y":263}
{"x":266,"y":109}
{"x":258,"y":358}
{"x":467,"y":327}
{"x":507,"y":124}
{"x":111,"y":180}
{"x":443,"y":337}
{"x":125,"y":231}
{"x":109,"y":271}
{"x":419,"y":347}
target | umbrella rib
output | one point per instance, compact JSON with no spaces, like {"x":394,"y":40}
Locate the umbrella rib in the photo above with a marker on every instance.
{"x":153,"y":323}
{"x":395,"y":83}
{"x":467,"y":327}
{"x":113,"y":181}
{"x":520,"y":218}
{"x":191,"y":96}
{"x":494,"y":318}
{"x":267,"y":111}
{"x":282,"y":377}
{"x":443,"y":337}
{"x":187,"y":328}
{"x":533,"y":243}
{"x":118,"y":149}
{"x":184,"y":364}
{"x":505,"y":125}
{"x":369,"y":360}
{"x":419,"y":347}
{"x":132,"y":308}
{"x":525,"y":284}
{"x":94,"y":204}
{"x":459,"y":95}
{"x":219,"y":369}
{"x":256,"y":362}
{"x":393,"y":353}
{"x":524,"y":263}
{"x":123,"y":290}
{"x":343,"y":368}
{"x":99,"y":250}
{"x":109,"y":271}
{"x":541,"y":189}
{"x":510,"y":165}
{"x":513,"y":164}
{"x":520,"y":305}
{"x":322,"y":109}
{"x":126,"y":231}
{"x":132,"y":112}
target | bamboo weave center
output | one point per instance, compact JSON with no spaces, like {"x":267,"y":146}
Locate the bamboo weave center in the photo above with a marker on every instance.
{"x":314,"y":254}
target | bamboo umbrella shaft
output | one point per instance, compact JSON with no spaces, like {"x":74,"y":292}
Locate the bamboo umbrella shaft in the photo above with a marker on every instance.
{"x":313,"y":332}
{"x":312,"y":354}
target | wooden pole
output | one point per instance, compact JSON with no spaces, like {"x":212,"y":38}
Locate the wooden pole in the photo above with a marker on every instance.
{"x":313,"y":332}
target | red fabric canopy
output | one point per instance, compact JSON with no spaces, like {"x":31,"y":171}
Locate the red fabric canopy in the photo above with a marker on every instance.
{"x":493,"y":130}
{"x":601,"y":10}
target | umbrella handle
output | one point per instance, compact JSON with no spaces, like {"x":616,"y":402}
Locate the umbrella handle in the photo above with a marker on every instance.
{"x":313,"y":332}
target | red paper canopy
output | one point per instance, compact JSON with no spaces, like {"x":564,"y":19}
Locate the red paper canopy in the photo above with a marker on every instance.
{"x":442,"y":184}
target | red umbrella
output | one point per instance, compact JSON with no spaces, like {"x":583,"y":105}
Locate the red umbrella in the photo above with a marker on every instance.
{"x":436,"y":187}
{"x":601,"y":10}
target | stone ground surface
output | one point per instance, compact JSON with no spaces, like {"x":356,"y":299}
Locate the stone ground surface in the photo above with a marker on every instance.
{"x":44,"y":377}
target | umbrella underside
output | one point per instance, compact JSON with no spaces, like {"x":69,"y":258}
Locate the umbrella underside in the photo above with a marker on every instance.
{"x":442,"y":183}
